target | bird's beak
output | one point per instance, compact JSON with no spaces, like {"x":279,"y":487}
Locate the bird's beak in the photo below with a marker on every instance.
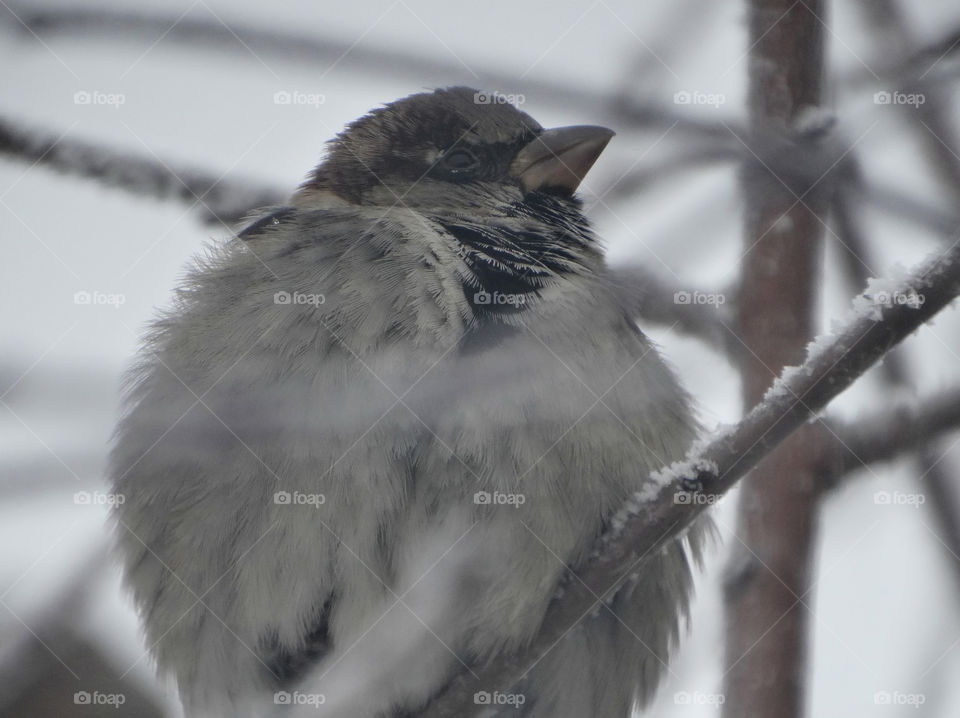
{"x":559,"y":158}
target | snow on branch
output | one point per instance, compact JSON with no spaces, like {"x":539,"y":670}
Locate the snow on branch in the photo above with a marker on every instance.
{"x":655,"y":517}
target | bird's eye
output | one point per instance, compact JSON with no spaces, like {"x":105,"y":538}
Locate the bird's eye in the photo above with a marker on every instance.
{"x":459,"y":161}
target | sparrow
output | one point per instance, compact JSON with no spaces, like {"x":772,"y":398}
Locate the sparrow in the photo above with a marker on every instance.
{"x":381,"y":423}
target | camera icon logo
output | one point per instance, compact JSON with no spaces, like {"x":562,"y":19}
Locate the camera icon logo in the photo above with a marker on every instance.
{"x":282,"y":497}
{"x":281,"y":698}
{"x":882,"y":98}
{"x":481,"y":498}
{"x":681,"y":297}
{"x":481,"y":297}
{"x":682,"y":98}
{"x":481,"y":698}
{"x":282,"y":298}
{"x":882,"y":698}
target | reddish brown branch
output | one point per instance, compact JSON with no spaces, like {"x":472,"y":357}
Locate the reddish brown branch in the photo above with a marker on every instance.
{"x":766,"y":626}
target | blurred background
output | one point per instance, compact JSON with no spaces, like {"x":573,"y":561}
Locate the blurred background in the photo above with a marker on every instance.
{"x":130,"y":138}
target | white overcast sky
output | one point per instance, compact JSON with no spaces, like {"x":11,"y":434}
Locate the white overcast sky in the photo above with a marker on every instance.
{"x":883,"y":605}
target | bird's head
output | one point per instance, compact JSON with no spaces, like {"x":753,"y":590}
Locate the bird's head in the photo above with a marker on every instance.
{"x":435,"y":148}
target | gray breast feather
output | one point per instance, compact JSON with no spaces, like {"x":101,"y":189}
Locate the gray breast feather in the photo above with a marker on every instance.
{"x":321,"y":411}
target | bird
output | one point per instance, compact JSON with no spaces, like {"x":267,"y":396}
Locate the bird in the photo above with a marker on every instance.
{"x":381,"y":422}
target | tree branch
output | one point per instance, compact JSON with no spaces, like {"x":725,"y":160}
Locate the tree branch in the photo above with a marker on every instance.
{"x":936,"y":61}
{"x":906,"y":428}
{"x":931,"y":121}
{"x":786,"y":191}
{"x":940,"y":484}
{"x":712,"y":468}
{"x":209,"y":33}
{"x":654,"y":298}
{"x":217,"y":200}
{"x":716,"y":152}
{"x":901,"y":206}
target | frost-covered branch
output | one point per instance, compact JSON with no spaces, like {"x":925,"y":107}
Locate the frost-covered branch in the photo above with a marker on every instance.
{"x":659,"y":515}
{"x":870,"y":442}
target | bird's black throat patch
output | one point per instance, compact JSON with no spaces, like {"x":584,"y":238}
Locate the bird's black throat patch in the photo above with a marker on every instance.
{"x":511,"y":258}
